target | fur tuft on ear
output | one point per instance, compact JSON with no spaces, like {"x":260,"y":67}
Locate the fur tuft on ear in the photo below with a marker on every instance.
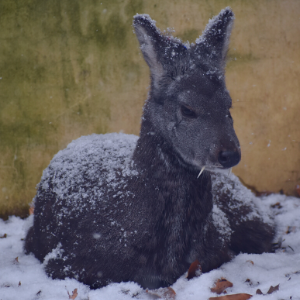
{"x":215,"y":38}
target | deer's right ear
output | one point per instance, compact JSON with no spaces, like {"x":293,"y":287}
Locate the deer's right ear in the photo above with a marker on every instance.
{"x":150,"y":40}
{"x":213,"y":44}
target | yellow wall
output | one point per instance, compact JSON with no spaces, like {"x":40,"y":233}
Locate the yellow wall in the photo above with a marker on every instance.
{"x":73,"y":67}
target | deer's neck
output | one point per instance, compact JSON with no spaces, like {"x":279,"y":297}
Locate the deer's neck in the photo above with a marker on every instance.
{"x":154,"y":155}
{"x":160,"y":165}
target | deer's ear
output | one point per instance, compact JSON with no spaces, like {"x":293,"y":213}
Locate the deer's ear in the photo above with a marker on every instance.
{"x":151,"y":40}
{"x":215,"y":39}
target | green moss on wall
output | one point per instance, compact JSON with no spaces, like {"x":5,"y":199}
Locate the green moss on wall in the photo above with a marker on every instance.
{"x":56,"y":60}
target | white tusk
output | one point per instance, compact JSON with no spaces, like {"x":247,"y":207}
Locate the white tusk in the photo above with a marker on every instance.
{"x":201,"y":171}
{"x":229,"y":172}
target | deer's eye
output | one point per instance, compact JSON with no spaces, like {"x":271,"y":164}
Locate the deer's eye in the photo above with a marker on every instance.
{"x":187,"y":112}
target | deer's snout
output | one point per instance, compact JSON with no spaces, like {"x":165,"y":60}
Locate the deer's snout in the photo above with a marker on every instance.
{"x":229,"y":159}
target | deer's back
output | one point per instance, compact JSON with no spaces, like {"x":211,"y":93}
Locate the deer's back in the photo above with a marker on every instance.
{"x":84,"y":204}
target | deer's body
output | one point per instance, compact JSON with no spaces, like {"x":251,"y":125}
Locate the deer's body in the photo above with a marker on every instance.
{"x":113,"y":208}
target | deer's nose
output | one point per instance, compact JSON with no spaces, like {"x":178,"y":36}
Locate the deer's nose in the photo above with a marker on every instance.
{"x":229,"y":159}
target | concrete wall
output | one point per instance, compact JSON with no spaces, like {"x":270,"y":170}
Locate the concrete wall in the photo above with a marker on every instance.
{"x":73,"y":67}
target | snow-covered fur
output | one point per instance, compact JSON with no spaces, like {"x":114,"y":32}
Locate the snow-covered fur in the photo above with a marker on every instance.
{"x":114,"y":207}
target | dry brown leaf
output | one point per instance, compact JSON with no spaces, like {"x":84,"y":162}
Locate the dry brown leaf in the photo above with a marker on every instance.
{"x":276,"y":205}
{"x":273,"y":289}
{"x":165,"y":293}
{"x":232,"y":297}
{"x":3,"y":236}
{"x":74,"y":294}
{"x":221,"y":285}
{"x":290,"y":229}
{"x":250,"y":261}
{"x":16,"y":260}
{"x":31,"y":210}
{"x":170,"y":293}
{"x":194,"y":270}
{"x":259,"y":292}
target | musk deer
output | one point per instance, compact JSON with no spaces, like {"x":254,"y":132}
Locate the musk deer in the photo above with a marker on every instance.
{"x":114,"y":207}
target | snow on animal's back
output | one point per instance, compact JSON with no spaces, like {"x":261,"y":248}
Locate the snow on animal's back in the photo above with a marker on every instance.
{"x":89,"y":169}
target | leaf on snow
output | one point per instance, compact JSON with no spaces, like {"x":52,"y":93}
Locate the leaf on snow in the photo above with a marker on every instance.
{"x":232,"y":297}
{"x":74,"y":294}
{"x":290,"y":229}
{"x":166,"y":293}
{"x":276,"y":205}
{"x":3,"y":236}
{"x":271,"y":290}
{"x":194,"y":270}
{"x":31,"y":210}
{"x":221,"y":285}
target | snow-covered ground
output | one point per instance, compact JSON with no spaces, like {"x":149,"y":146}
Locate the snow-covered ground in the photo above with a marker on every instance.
{"x":22,"y":276}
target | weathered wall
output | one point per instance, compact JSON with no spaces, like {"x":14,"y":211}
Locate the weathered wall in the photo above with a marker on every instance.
{"x":72,"y":67}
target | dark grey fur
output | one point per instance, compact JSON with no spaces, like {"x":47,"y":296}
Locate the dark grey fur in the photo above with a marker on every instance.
{"x":144,"y":216}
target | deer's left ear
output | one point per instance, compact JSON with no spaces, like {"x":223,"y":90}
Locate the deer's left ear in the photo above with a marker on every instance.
{"x":151,"y":42}
{"x":213,"y":43}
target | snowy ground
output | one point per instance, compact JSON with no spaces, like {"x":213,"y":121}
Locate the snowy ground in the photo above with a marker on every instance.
{"x":23,"y":277}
